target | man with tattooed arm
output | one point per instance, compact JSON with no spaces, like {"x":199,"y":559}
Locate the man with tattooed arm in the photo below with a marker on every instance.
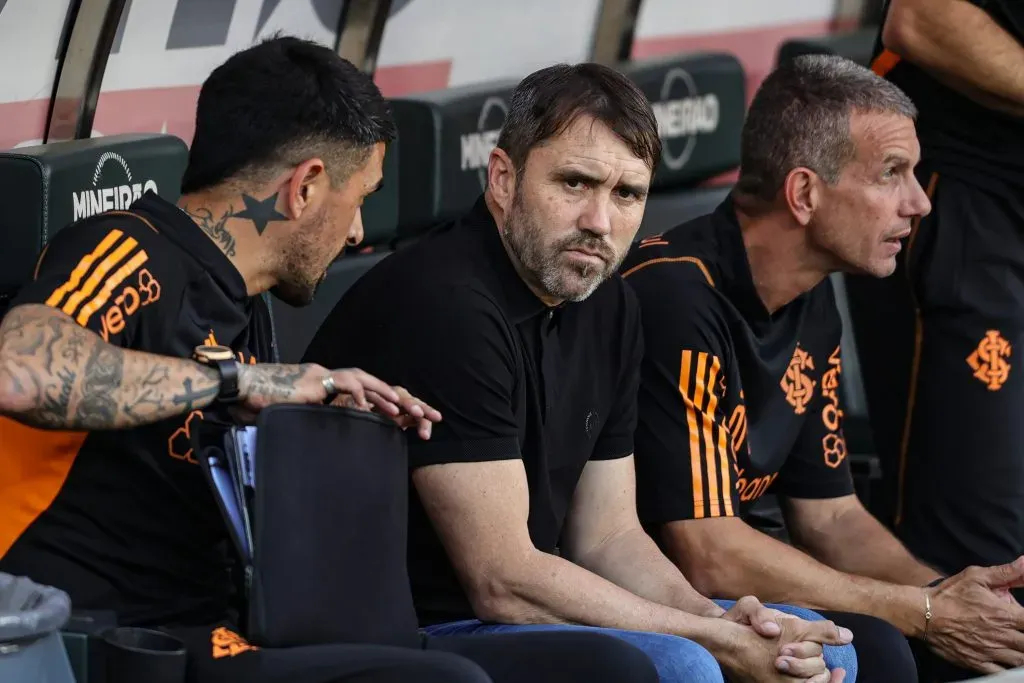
{"x":138,"y":322}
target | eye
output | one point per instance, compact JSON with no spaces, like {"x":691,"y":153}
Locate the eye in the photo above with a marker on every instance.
{"x":889,"y":172}
{"x":573,"y":183}
{"x":627,"y":193}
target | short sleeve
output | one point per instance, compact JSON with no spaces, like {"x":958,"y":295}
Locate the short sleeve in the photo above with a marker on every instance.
{"x":684,"y":463}
{"x":818,"y":466}
{"x":617,"y":436}
{"x":105,"y":274}
{"x":451,"y":348}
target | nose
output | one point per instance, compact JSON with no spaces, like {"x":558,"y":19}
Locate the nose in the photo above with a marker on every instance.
{"x":918,"y":203}
{"x":355,"y":231}
{"x":596,"y":216}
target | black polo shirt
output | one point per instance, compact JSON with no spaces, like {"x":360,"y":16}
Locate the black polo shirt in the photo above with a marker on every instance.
{"x":123,"y":520}
{"x":450,"y":319}
{"x":960,"y":137}
{"x":733,"y":402}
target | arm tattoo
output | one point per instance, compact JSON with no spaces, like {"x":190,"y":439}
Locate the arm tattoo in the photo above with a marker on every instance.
{"x":215,"y":227}
{"x":273,"y":382}
{"x":260,"y":212}
{"x":104,"y":371}
{"x":55,"y":374}
{"x":190,"y":394}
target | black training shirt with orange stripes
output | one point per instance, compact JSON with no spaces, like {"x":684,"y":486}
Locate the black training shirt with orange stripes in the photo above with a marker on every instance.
{"x":123,"y":520}
{"x":733,"y":402}
{"x":960,"y":137}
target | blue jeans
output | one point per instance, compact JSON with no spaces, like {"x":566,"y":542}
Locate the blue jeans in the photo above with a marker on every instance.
{"x":678,"y":660}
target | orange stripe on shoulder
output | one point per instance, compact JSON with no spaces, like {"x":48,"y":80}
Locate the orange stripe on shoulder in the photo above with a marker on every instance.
{"x":674,"y":259}
{"x":36,"y":463}
{"x":885,"y":62}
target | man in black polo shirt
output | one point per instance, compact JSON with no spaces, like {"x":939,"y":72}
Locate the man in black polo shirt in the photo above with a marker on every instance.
{"x":943,"y":376}
{"x":512,"y":322}
{"x":100,"y":494}
{"x":739,"y":393}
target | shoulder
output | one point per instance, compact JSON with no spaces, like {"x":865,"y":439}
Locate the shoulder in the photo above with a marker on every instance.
{"x":107,"y":236}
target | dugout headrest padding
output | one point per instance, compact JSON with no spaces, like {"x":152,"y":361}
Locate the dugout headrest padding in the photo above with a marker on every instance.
{"x":47,"y":187}
{"x":700,"y":102}
{"x":447,"y":137}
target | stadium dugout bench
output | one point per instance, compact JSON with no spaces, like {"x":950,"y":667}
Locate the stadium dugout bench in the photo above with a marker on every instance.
{"x":699,"y":100}
{"x":45,"y":189}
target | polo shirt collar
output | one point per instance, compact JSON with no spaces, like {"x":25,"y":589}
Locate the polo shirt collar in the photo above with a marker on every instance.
{"x":182,"y":230}
{"x":519,"y":301}
{"x":739,"y":283}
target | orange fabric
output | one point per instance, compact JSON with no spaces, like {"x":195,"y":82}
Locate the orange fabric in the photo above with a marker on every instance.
{"x":679,"y":259}
{"x":885,"y":62}
{"x":34,"y":464}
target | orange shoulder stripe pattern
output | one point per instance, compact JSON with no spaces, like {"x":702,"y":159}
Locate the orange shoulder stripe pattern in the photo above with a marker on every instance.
{"x":97,"y":275}
{"x":885,"y":62}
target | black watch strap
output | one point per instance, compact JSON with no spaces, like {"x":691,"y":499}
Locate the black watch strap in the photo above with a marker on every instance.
{"x":222,"y":359}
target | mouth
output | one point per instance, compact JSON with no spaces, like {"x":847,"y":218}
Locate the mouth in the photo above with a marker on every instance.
{"x":590,"y":255}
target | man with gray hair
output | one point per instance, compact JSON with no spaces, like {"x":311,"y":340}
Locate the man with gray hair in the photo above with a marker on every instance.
{"x":739,"y":391}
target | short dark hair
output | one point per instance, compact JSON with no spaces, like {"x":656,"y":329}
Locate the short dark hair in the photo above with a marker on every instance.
{"x":278,"y":103}
{"x":548,"y":101}
{"x":800,"y":117}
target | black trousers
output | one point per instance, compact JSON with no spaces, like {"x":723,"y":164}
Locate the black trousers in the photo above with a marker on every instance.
{"x":940,"y":345}
{"x":883,"y":653}
{"x":218,"y":655}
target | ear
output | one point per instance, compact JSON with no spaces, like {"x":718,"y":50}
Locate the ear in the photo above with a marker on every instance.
{"x":501,"y":178}
{"x":305,"y":187}
{"x":801,"y":194}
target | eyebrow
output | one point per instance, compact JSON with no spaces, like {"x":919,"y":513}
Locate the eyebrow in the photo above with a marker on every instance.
{"x":638,"y":189}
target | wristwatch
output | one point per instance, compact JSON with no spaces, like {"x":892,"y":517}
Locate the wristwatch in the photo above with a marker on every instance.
{"x":223,"y":360}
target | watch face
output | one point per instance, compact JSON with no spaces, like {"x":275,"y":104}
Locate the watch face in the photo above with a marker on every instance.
{"x":214,"y":353}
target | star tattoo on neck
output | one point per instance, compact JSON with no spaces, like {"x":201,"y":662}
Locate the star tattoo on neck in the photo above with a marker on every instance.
{"x":260,"y":212}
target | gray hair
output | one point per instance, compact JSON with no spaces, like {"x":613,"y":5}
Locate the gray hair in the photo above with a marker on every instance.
{"x":800,"y":117}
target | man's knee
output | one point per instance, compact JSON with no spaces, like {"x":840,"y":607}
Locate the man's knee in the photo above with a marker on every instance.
{"x":678,"y":660}
{"x":883,"y":653}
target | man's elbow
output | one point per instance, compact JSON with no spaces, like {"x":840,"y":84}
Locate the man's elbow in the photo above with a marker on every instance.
{"x":705,"y":564}
{"x":496,"y":593}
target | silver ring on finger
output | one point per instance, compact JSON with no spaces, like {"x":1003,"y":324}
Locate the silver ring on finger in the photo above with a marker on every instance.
{"x":329,"y":386}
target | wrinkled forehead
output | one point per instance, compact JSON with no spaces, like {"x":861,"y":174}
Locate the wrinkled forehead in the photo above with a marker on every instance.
{"x":882,"y":137}
{"x":589,"y":143}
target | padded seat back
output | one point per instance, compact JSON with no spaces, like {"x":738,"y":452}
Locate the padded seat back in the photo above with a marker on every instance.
{"x":700,"y":102}
{"x":857,"y":46}
{"x":46,"y":188}
{"x":296,"y":326}
{"x":380,"y":210}
{"x":447,"y":137}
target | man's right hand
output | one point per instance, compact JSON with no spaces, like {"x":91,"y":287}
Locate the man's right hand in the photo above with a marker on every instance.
{"x":975,"y":622}
{"x":263,"y":385}
{"x":749,"y":657}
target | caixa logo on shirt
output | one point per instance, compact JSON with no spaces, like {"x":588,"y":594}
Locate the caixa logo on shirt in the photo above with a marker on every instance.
{"x":113,"y":187}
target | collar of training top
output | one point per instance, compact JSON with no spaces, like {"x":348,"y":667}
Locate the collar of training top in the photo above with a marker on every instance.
{"x":519,"y":300}
{"x":190,"y":237}
{"x":739,"y":284}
